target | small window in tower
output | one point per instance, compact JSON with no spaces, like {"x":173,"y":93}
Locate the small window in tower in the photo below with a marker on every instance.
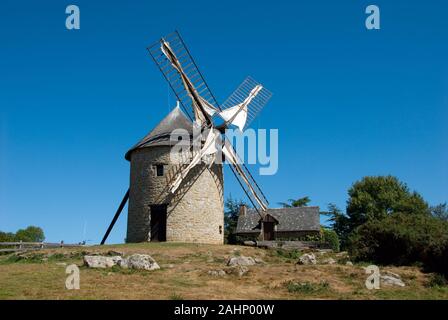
{"x":159,"y":170}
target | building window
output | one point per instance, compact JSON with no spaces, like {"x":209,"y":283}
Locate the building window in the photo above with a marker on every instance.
{"x":159,"y":170}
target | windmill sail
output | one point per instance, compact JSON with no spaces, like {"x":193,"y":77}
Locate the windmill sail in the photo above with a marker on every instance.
{"x":245,"y":103}
{"x":198,"y":103}
{"x":237,"y":115}
{"x":209,"y":148}
{"x":179,"y":69}
{"x":251,"y":187}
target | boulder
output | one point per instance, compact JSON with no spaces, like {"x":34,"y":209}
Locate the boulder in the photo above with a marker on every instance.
{"x":140,"y":262}
{"x":250,"y":243}
{"x":135,"y":261}
{"x":391,"y":279}
{"x":101,"y":261}
{"x":307,"y":258}
{"x":241,"y":261}
{"x":349,"y":263}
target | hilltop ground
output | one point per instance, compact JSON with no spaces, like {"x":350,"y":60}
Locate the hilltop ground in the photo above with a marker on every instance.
{"x":184,"y":275}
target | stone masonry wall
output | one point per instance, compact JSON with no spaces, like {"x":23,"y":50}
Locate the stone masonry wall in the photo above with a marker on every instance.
{"x":194,"y":214}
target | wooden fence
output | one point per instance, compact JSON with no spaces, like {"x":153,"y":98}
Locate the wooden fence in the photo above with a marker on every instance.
{"x":23,"y":246}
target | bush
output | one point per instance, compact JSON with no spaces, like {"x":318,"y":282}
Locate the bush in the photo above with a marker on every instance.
{"x":30,"y":234}
{"x":7,"y":236}
{"x":289,"y":254}
{"x":331,"y":238}
{"x":437,"y":280}
{"x":403,"y":239}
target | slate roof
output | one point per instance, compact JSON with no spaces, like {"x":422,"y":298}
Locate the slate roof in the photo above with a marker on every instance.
{"x":290,"y":219}
{"x":160,"y":135}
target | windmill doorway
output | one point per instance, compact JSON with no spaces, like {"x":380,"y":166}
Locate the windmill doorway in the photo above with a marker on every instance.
{"x":269,"y":223}
{"x":158,"y":222}
{"x":268,"y":230}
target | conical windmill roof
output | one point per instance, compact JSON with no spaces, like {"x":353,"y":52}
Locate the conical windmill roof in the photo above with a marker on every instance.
{"x":160,"y":135}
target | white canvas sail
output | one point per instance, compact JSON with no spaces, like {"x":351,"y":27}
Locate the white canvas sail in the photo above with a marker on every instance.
{"x":237,"y":115}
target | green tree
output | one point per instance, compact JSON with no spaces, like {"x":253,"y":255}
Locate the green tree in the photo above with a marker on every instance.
{"x":375,"y":198}
{"x":7,"y":236}
{"x":301,"y":202}
{"x":339,"y":223}
{"x":30,"y":234}
{"x":440,"y":211}
{"x":231,"y":213}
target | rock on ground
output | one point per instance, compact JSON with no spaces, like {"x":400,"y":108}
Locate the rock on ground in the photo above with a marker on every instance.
{"x":134,"y":261}
{"x":391,"y":279}
{"x":101,"y":261}
{"x":140,"y":261}
{"x":241,"y":261}
{"x":307,"y":258}
{"x":349,"y":263}
{"x":250,"y":243}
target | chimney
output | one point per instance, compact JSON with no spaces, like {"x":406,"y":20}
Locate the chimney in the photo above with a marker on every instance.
{"x":243,"y":210}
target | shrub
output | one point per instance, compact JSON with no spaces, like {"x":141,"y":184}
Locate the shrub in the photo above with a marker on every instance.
{"x":289,"y":254}
{"x":437,"y":280}
{"x":403,"y":239}
{"x":331,"y":238}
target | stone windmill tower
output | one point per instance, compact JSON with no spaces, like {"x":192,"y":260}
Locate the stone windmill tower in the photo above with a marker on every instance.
{"x":171,"y":199}
{"x":195,"y":213}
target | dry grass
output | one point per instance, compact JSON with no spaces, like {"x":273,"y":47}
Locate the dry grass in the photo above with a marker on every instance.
{"x":183,"y":275}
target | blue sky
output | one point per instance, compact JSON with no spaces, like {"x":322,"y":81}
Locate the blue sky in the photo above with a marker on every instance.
{"x":348,"y":102}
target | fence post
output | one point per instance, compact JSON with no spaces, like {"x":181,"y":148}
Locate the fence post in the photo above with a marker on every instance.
{"x":20,"y":244}
{"x":42,"y":245}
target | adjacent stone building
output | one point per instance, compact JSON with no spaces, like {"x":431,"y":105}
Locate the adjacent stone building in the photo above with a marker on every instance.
{"x":194,"y":213}
{"x":278,"y":224}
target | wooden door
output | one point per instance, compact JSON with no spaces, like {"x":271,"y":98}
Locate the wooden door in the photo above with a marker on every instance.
{"x":268,"y":230}
{"x":158,"y":223}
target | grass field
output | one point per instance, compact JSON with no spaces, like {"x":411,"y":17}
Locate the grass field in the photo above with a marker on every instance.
{"x":184,"y":275}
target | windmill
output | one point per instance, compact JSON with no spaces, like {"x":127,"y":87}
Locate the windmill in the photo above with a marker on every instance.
{"x":175,"y":62}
